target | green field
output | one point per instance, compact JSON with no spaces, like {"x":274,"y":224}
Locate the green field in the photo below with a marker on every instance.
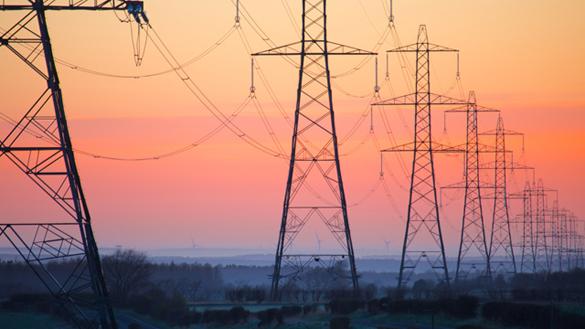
{"x":18,"y":320}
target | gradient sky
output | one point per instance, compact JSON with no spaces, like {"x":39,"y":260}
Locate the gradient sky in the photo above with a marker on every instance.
{"x":524,"y":57}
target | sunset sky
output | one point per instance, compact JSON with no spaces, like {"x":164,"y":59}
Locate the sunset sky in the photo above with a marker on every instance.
{"x":523,"y":57}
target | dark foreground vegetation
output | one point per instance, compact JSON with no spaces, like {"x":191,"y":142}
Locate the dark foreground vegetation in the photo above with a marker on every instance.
{"x":169,"y":293}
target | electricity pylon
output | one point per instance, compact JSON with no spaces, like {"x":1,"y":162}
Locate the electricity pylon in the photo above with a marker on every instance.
{"x":535,"y":245}
{"x":559,"y":237}
{"x":501,"y":246}
{"x":528,"y":253}
{"x":314,"y":161}
{"x":543,"y":251}
{"x":423,"y":225}
{"x":576,"y":242}
{"x":40,"y":146}
{"x":473,"y":257}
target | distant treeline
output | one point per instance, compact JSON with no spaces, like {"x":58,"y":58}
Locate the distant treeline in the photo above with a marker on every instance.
{"x":127,"y":272}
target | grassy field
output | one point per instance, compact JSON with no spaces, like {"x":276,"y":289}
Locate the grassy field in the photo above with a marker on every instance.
{"x":17,"y":320}
{"x":360,"y":320}
{"x":318,"y":320}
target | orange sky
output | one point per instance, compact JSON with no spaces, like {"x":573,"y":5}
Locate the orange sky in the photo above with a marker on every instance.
{"x":524,"y":57}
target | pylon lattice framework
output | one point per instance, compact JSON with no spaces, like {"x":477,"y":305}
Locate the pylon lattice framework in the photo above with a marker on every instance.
{"x":501,"y":246}
{"x":40,"y":146}
{"x":473,"y":258}
{"x":314,"y":162}
{"x":423,"y":223}
{"x":536,"y":242}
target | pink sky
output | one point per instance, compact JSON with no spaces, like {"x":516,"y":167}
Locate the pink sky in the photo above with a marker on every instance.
{"x":524,"y":57}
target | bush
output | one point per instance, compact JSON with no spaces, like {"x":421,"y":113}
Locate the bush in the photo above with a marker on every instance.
{"x":463,"y":307}
{"x":470,"y":326}
{"x":339,"y":323}
{"x":238,"y":315}
{"x":291,"y":310}
{"x":537,"y":316}
{"x":345,"y":306}
{"x":374,"y":306}
{"x":307,"y":309}
{"x":267,"y":317}
{"x":172,"y":309}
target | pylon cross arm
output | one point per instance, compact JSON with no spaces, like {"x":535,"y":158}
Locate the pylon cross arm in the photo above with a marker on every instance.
{"x":435,"y":147}
{"x":411,"y":100}
{"x":416,"y":47}
{"x":494,"y":132}
{"x":69,"y":5}
{"x":479,"y":108}
{"x":296,"y":49}
{"x":509,"y":166}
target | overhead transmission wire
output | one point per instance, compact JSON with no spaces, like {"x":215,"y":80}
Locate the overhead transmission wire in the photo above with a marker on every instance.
{"x":200,"y":56}
{"x":210,"y":49}
{"x":258,"y":30}
{"x":274,"y":98}
{"x":167,"y":154}
{"x":219,"y":42}
{"x":159,"y":156}
{"x":257,"y":68}
{"x":265,"y":81}
{"x":226,"y":121}
{"x":179,"y":70}
{"x":268,"y":127}
{"x":291,"y":17}
{"x":204,"y":100}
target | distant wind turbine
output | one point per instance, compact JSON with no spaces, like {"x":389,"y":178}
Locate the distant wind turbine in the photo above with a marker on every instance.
{"x":318,"y":242}
{"x":387,"y":244}
{"x":193,"y":244}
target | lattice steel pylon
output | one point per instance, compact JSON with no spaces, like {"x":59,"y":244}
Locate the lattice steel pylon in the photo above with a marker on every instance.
{"x":39,"y":144}
{"x":536,"y":228}
{"x":528,"y":252}
{"x":314,"y":161}
{"x":473,"y":255}
{"x":559,"y":237}
{"x":576,"y":242}
{"x":542,"y":243}
{"x":423,"y":223}
{"x":501,"y":243}
{"x":501,"y":248}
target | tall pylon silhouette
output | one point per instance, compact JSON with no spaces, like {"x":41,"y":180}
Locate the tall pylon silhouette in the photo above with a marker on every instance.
{"x":544,"y":224}
{"x":423,"y":239}
{"x":535,"y":246}
{"x":314,"y":161}
{"x":501,"y":246}
{"x":39,"y":145}
{"x":528,"y":252}
{"x":473,"y":254}
{"x":559,"y":230}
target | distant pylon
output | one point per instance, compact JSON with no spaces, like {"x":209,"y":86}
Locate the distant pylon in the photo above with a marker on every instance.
{"x":536,"y":229}
{"x":563,"y":245}
{"x":572,"y":243}
{"x":501,"y":246}
{"x":473,"y":237}
{"x":314,"y":162}
{"x":544,"y":225}
{"x":541,"y":248}
{"x":558,"y":225}
{"x":527,"y":246}
{"x":423,"y":239}
{"x":473,"y":254}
